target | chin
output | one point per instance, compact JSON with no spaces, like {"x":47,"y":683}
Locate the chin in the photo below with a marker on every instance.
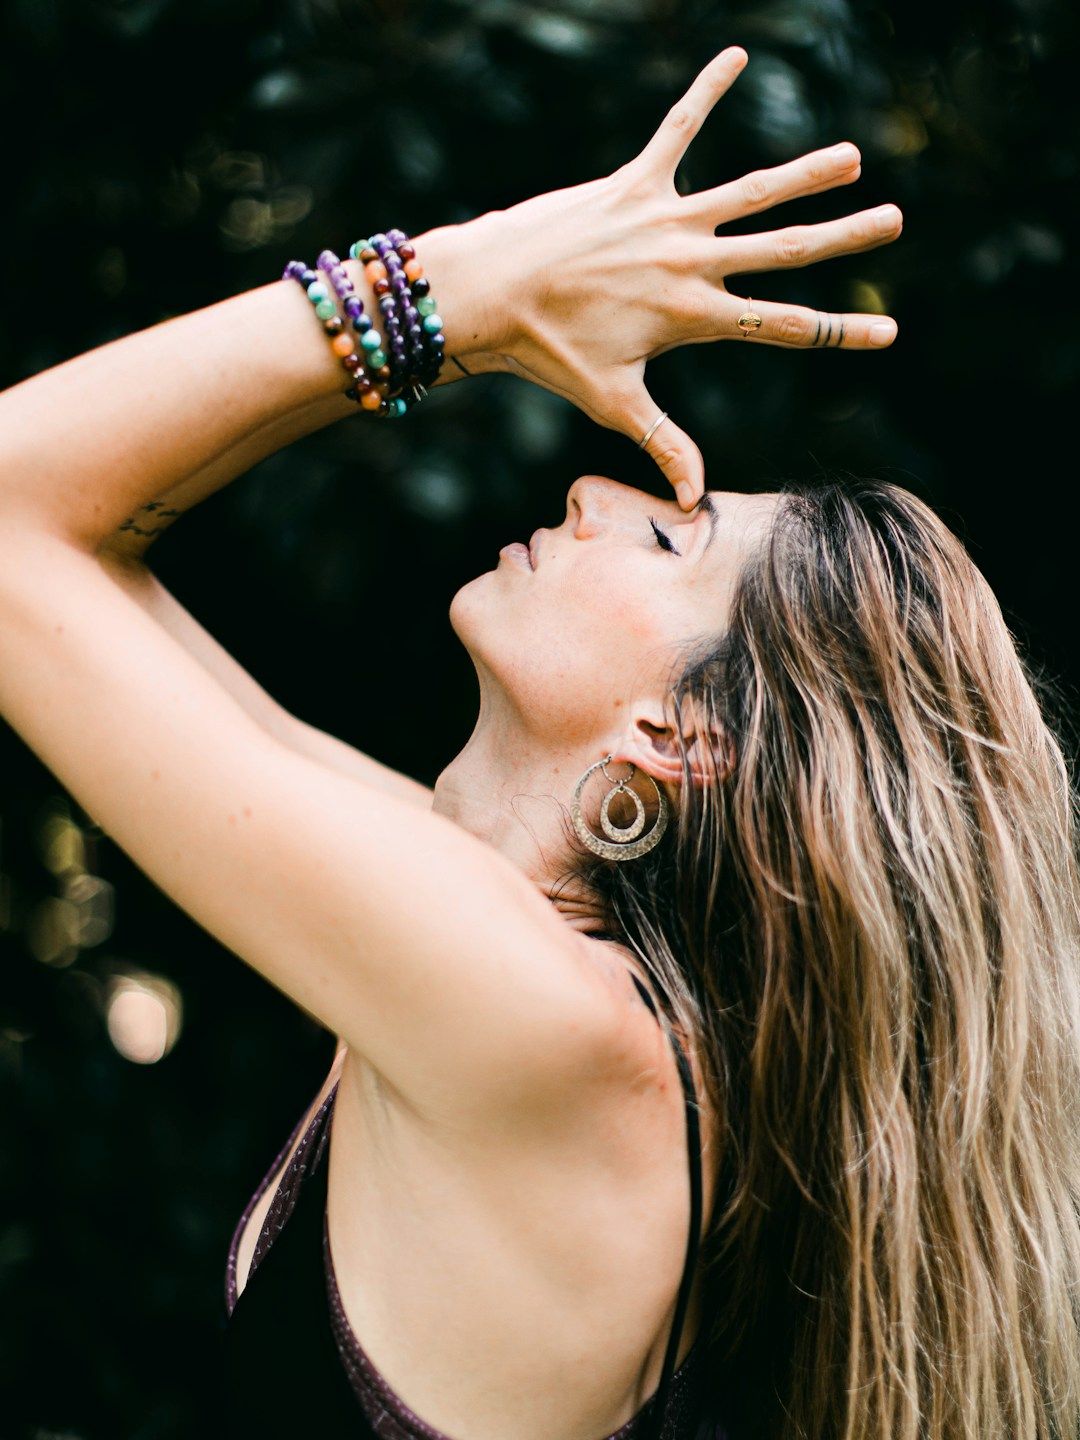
{"x":490,"y":625}
{"x":468,"y":607}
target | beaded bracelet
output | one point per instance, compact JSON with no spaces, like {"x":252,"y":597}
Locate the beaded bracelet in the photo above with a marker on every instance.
{"x":391,"y":265}
{"x":383,"y":270}
{"x":389,"y":374}
{"x":370,"y":344}
{"x":425,"y":326}
{"x":354,"y":358}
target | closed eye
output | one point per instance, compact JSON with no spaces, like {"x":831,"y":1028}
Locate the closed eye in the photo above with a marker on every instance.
{"x":662,"y":539}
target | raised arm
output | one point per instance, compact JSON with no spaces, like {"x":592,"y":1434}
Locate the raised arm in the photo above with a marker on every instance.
{"x":87,"y":445}
{"x":382,"y":919}
{"x":123,"y":551}
{"x":124,"y":554}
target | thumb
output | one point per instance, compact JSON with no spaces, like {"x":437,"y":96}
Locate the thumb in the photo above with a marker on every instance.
{"x":670,"y":446}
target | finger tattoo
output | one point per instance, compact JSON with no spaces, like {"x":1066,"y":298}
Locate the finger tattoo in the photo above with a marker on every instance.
{"x":823,"y":335}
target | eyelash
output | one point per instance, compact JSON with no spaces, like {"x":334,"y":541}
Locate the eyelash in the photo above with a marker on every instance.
{"x":663,"y":540}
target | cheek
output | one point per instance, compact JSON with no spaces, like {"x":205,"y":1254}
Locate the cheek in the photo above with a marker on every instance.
{"x":613,"y":609}
{"x":612,"y":585}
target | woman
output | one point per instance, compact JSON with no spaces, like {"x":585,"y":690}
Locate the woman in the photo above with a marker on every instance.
{"x":759,"y":860}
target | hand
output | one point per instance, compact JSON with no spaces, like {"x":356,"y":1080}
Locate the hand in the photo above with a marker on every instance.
{"x":623,"y":268}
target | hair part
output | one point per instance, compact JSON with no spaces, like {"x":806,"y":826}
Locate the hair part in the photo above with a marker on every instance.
{"x":871,"y":929}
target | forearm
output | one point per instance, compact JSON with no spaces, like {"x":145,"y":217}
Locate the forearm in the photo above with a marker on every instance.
{"x":146,"y":590}
{"x":137,"y":531}
{"x":168,"y":414}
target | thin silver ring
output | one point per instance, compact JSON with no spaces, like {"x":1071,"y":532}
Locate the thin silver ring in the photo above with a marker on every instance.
{"x":649,"y":432}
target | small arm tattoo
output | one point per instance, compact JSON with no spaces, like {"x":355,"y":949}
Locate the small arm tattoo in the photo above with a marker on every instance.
{"x":154,"y":509}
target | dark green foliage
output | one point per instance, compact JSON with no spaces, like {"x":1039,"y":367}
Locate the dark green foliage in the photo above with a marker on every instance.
{"x":163,"y":154}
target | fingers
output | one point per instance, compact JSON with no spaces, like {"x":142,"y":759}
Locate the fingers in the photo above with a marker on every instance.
{"x":761,"y":189}
{"x":685,"y":118}
{"x":670,"y":446}
{"x":804,"y":244}
{"x":799,"y":328}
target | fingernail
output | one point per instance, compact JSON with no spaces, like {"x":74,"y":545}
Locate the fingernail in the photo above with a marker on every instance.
{"x":887,"y":217}
{"x":882,"y":332}
{"x":685,"y":492}
{"x":845,"y":153}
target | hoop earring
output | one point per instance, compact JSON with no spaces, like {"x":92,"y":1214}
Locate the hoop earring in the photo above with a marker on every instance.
{"x":627,"y":846}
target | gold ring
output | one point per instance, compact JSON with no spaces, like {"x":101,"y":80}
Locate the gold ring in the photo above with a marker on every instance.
{"x":749,"y":320}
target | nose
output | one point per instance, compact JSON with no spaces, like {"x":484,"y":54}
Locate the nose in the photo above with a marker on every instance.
{"x":590,"y":499}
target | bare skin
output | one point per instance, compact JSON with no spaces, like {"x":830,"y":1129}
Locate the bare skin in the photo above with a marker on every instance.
{"x":562,"y":1256}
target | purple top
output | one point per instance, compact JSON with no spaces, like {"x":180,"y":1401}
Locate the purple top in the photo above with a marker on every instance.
{"x":387,"y":1413}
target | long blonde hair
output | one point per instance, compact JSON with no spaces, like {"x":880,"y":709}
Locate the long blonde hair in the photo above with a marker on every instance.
{"x":871,"y":928}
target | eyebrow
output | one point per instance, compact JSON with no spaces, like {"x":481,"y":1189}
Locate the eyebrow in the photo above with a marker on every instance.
{"x":707,"y":504}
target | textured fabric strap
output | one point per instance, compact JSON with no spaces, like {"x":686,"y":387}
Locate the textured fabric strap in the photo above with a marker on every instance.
{"x":281,"y":1377}
{"x":693,"y":1145}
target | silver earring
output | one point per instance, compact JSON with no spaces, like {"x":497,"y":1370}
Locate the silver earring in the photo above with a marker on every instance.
{"x":627,"y":846}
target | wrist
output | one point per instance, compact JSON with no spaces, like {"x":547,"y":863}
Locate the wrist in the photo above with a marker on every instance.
{"x":468,"y":270}
{"x":467,"y":267}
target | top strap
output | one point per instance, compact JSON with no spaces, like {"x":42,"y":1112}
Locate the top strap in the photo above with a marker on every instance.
{"x":693,"y":1136}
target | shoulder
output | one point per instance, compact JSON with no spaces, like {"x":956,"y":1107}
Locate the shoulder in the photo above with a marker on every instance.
{"x":630,"y":1042}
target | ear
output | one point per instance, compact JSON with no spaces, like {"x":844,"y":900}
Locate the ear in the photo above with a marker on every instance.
{"x":653,"y":746}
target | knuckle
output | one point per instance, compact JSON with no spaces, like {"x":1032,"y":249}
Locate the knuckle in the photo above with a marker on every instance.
{"x":692,"y":305}
{"x":665,"y":454}
{"x":816,"y":172}
{"x":680,"y":117}
{"x":632,"y":181}
{"x":791,"y":247}
{"x":640,"y":181}
{"x":625,"y":175}
{"x":755,"y":189}
{"x":794,"y":328}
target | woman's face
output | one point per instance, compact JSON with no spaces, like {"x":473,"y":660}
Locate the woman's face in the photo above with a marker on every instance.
{"x":600,"y":615}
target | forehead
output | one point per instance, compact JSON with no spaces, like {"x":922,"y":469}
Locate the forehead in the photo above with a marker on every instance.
{"x":741,"y":518}
{"x":746,"y":505}
{"x":739,"y":523}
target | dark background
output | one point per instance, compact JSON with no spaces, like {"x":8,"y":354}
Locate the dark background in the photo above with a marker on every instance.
{"x":163,"y":154}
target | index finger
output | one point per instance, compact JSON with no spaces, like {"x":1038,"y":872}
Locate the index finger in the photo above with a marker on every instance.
{"x":685,"y":118}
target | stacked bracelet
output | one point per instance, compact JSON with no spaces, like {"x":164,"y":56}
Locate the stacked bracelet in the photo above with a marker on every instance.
{"x":383,"y":271}
{"x":388,"y":373}
{"x":365,"y":368}
{"x":410,"y":311}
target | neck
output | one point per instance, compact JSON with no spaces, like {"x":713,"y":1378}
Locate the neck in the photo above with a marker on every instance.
{"x":514,"y":794}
